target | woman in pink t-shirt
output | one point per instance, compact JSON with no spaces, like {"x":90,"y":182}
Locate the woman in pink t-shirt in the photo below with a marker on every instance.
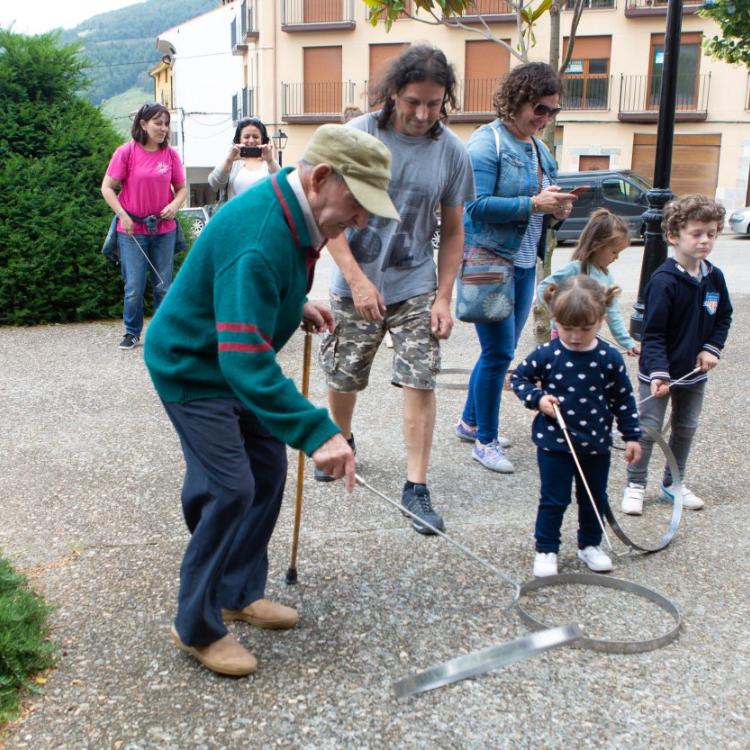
{"x":145,"y":185}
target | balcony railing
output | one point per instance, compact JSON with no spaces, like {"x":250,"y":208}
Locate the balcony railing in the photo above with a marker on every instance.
{"x":244,"y":26}
{"x":475,"y":95}
{"x":489,"y":8}
{"x":243,"y":104}
{"x":593,"y":4}
{"x":303,"y":15}
{"x":658,"y":7}
{"x":317,"y":102}
{"x":586,"y":92}
{"x":640,"y":95}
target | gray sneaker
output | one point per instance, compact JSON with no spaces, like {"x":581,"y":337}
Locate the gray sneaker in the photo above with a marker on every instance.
{"x":492,"y":457}
{"x":321,"y":476}
{"x":417,"y":500}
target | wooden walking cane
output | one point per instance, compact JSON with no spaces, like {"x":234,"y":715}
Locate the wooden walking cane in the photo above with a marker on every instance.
{"x":291,"y":574}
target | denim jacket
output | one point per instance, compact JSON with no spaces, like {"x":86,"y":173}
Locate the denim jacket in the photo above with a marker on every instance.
{"x":497,"y":218}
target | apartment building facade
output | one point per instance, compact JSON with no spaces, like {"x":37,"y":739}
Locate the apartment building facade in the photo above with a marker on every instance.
{"x":304,"y":62}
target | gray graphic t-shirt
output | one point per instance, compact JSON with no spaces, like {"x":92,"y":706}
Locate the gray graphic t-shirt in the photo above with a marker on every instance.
{"x":397,"y":257}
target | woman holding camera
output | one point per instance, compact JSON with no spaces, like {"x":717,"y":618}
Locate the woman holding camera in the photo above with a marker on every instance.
{"x":249,"y":159}
{"x":145,"y":186}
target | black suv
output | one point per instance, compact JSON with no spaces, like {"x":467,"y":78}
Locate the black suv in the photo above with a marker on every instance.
{"x":623,"y":192}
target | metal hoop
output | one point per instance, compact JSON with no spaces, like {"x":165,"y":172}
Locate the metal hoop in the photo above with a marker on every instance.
{"x":453,"y":386}
{"x":494,"y":657}
{"x":674,"y":522}
{"x":601,"y":644}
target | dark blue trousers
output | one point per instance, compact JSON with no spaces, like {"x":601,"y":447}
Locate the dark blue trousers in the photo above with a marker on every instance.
{"x":231,"y":497}
{"x":556,"y":471}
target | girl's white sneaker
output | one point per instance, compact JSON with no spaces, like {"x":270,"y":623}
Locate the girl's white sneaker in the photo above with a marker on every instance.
{"x":596,"y":559}
{"x":545,"y":564}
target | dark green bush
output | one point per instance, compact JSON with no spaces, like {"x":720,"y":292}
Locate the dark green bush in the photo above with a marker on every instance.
{"x":25,"y":648}
{"x":54,"y":149}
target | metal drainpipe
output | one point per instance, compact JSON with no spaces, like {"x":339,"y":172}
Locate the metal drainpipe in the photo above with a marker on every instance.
{"x":275,"y":66}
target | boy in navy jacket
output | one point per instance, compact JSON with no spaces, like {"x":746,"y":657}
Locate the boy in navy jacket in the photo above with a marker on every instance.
{"x":685,"y":325}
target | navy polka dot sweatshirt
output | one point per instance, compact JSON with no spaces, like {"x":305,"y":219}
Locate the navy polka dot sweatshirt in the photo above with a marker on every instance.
{"x":592,"y":387}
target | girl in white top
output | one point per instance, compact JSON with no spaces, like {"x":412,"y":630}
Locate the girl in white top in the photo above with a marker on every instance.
{"x":603,"y":238}
{"x":238,"y":172}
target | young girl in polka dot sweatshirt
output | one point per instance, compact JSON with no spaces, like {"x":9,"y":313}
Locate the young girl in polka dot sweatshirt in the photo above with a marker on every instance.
{"x":586,"y":378}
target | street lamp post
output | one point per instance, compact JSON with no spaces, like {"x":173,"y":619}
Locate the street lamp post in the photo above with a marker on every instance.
{"x":279,"y":139}
{"x":655,"y":246}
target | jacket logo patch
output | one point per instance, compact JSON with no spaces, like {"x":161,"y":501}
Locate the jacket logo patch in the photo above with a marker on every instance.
{"x":711,"y":302}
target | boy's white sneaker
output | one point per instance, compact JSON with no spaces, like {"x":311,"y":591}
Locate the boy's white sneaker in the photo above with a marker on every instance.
{"x":545,"y":564}
{"x":596,"y":559}
{"x":689,"y":500}
{"x":632,"y":499}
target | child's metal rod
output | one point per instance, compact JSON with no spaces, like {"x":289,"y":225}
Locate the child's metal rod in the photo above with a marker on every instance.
{"x":566,"y":435}
{"x":674,"y":382}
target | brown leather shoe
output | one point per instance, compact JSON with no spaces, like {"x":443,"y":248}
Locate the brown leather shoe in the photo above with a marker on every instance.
{"x":225,"y":656}
{"x":264,"y":614}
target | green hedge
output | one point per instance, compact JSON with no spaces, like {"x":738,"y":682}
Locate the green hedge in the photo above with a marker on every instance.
{"x":25,"y":648}
{"x":54,"y":149}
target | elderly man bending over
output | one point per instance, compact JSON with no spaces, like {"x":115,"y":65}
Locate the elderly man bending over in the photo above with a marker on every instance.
{"x":211,"y":352}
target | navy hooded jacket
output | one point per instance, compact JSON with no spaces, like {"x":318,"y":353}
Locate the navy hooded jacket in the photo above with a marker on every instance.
{"x":683,"y":316}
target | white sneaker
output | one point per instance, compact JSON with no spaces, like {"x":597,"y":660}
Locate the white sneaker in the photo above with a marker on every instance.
{"x":596,"y":559}
{"x":492,"y":457}
{"x":632,"y":499}
{"x":545,"y":564}
{"x":689,"y":500}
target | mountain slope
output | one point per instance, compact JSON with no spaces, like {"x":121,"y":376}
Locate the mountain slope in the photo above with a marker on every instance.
{"x":121,"y":44}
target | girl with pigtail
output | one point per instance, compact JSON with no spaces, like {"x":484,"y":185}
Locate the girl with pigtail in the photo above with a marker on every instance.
{"x":603,"y":238}
{"x":585,"y":378}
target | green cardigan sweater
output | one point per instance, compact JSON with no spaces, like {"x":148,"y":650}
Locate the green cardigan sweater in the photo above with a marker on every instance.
{"x":235,"y":302}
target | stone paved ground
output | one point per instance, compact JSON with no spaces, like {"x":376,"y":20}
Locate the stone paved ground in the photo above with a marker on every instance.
{"x":90,"y":472}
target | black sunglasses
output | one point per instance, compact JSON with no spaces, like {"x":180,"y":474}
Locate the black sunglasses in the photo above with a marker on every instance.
{"x":543,"y":109}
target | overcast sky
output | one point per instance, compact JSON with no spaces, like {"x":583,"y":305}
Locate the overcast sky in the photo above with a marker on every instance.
{"x":38,"y":16}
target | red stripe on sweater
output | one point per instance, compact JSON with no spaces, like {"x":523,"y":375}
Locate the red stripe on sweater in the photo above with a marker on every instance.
{"x":242,"y":328}
{"x":233,"y":346}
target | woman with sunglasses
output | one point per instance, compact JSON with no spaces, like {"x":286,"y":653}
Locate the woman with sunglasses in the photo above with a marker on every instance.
{"x":145,"y":185}
{"x":250,"y":159}
{"x":516,"y":200}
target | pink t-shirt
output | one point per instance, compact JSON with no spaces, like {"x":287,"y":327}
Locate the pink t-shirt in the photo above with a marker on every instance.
{"x":147,"y":178}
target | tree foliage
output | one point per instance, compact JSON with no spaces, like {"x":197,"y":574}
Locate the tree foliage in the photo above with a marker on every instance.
{"x":733,"y":16}
{"x":450,"y":12}
{"x":54,"y":149}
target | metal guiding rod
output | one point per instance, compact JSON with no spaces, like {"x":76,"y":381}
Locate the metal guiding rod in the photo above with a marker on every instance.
{"x":566,"y":434}
{"x":673,"y":382}
{"x":516,"y":586}
{"x":148,"y":260}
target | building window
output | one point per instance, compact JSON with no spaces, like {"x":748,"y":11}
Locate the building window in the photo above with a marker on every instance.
{"x":586,"y":79}
{"x":486,"y":63}
{"x":688,"y":69}
{"x":322,"y":87}
{"x":381,"y":56}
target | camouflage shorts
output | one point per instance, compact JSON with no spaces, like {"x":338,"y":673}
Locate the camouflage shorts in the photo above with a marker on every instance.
{"x":346,"y":355}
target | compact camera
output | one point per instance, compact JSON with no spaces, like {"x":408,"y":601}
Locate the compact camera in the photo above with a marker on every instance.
{"x":247,"y":151}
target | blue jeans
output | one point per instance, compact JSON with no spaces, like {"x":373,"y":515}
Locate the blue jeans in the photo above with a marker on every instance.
{"x":556,"y":471}
{"x":686,"y":408}
{"x":160,"y":251}
{"x":498,"y":342}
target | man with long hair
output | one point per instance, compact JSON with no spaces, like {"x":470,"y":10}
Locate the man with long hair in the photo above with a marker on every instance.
{"x":387,"y":279}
